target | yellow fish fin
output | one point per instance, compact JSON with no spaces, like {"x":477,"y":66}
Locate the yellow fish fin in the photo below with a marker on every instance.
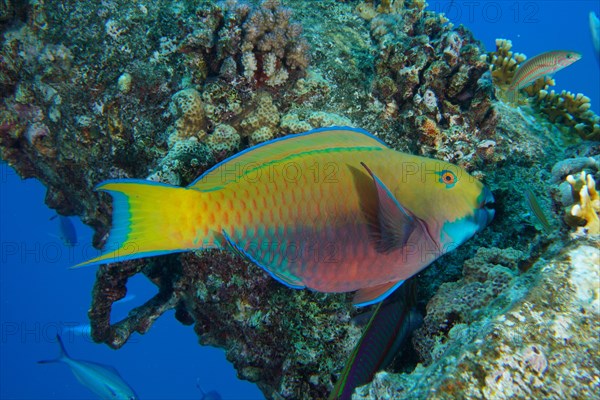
{"x":374,"y":294}
{"x":288,"y":148}
{"x":148,"y":219}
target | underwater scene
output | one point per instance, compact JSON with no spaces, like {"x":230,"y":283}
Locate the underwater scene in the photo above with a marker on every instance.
{"x":299,"y":199}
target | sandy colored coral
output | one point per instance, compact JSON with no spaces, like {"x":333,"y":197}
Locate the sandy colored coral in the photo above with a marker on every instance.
{"x":262,"y":124}
{"x":252,"y":45}
{"x":191,"y":120}
{"x":503,"y":62}
{"x":291,"y":123}
{"x":587,"y":207}
{"x":223,"y":140}
{"x":537,"y":338}
{"x":570,"y":112}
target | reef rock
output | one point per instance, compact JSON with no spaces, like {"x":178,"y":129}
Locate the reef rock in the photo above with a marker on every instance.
{"x":537,"y":337}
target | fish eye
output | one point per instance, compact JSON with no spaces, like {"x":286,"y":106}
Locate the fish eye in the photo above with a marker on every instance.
{"x":448,"y":178}
{"x":569,"y":55}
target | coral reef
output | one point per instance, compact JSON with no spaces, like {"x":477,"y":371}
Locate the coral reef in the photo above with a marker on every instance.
{"x":159,"y":91}
{"x":431,"y":76}
{"x":526,"y":341}
{"x":255,"y":45}
{"x":584,"y":213}
{"x":568,"y":111}
{"x":314,"y":328}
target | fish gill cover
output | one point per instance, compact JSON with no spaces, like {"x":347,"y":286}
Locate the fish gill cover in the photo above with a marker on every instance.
{"x":119,"y":89}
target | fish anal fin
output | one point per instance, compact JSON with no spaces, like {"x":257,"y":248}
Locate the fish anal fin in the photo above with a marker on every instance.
{"x":374,"y":294}
{"x":392,"y":223}
{"x":287,"y":279}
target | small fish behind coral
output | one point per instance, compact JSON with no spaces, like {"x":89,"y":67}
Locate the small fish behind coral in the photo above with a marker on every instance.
{"x":67,"y":232}
{"x":542,"y":65}
{"x":388,"y":330}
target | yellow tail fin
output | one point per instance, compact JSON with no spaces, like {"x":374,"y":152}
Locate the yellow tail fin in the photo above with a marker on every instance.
{"x":149,"y":219}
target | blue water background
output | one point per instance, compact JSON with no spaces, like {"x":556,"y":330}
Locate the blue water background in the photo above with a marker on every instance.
{"x":40,"y":296}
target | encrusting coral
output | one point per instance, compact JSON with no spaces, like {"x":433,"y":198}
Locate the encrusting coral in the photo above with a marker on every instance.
{"x":584,"y":213}
{"x":430,"y":78}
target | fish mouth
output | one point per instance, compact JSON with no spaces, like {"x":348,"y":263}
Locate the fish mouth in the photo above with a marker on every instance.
{"x":485,"y":213}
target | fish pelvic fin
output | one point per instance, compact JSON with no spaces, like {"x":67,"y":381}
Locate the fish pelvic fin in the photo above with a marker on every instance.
{"x":374,"y":294}
{"x":151,"y":219}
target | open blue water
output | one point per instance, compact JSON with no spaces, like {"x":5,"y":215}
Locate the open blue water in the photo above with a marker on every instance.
{"x":40,"y":296}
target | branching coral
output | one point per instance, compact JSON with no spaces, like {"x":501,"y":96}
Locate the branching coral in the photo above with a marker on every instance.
{"x":503,"y":63}
{"x":584,"y":213}
{"x":570,"y":112}
{"x":255,"y":45}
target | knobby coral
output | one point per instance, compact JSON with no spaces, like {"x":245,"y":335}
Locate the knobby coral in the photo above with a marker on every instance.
{"x":584,"y":213}
{"x":430,"y":76}
{"x":253,"y":45}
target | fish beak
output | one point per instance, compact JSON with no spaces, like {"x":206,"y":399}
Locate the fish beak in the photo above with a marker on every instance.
{"x":485,"y":213}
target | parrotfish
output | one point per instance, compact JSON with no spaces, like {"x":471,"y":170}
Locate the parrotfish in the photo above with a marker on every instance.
{"x":542,"y":65}
{"x":103,"y":380}
{"x":332,"y":210}
{"x":390,"y":326}
{"x":595,"y":31}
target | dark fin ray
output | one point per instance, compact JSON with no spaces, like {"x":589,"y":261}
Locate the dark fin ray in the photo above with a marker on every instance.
{"x":394,"y":223}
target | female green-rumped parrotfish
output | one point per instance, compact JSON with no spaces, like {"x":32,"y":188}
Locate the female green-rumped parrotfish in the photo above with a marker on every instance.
{"x":332,"y":210}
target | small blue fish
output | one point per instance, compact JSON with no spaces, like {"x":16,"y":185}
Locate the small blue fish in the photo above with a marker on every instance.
{"x":212,"y":395}
{"x":595,"y":31}
{"x":84,"y":330}
{"x":67,"y":231}
{"x":103,"y":380}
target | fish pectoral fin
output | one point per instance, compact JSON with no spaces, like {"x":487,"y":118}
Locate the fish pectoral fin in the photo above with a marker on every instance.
{"x":392,"y":223}
{"x":287,"y":279}
{"x":374,"y":294}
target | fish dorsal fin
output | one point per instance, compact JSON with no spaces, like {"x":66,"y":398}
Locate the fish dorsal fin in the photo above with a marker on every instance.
{"x":284,"y":149}
{"x":391,"y":223}
{"x":374,"y":294}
